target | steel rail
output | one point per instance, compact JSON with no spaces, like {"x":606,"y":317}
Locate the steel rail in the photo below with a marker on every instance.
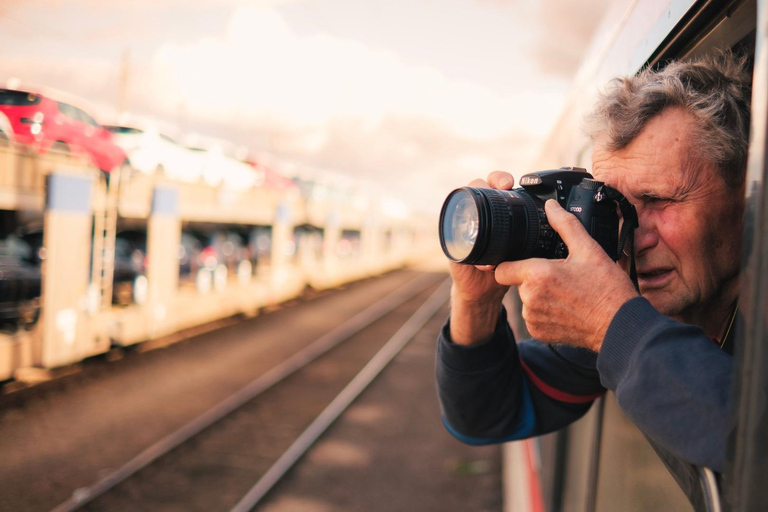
{"x":83,"y":496}
{"x":361,"y":381}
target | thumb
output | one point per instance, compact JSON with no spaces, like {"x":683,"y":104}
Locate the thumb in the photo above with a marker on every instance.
{"x":570,"y":229}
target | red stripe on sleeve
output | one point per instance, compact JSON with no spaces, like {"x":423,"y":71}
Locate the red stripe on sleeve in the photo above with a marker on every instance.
{"x":555,"y":393}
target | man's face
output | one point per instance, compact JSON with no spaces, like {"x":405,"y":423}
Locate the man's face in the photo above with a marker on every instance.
{"x":688,"y":242}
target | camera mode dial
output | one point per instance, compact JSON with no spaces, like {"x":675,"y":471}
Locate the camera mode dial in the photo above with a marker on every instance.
{"x":590,"y":184}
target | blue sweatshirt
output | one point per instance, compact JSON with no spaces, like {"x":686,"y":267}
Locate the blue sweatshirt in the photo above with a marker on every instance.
{"x":670,"y":379}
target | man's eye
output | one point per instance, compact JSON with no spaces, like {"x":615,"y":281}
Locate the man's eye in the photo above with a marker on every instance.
{"x":652,"y":199}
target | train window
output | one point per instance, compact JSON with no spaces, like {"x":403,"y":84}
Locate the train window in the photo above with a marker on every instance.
{"x":746,"y":462}
{"x":709,"y":25}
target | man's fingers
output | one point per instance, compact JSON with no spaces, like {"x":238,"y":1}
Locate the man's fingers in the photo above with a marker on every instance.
{"x":513,"y":273}
{"x":497,"y":179}
{"x":570,"y":229}
{"x":501,"y":180}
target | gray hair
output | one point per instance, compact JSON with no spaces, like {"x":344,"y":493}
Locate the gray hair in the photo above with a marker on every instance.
{"x":715,"y":89}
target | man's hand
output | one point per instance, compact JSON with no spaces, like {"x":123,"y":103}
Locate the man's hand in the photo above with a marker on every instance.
{"x":569,"y":301}
{"x":476,"y":295}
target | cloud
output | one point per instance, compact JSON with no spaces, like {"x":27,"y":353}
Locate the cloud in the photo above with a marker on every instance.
{"x":413,"y":157}
{"x":320,"y":100}
{"x":565,"y":31}
{"x":263,"y":68}
{"x":337,"y":104}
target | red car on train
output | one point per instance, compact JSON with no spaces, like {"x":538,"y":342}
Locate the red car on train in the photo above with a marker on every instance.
{"x":47,"y":124}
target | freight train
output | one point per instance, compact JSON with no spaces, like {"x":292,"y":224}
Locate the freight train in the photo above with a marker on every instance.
{"x":92,"y":260}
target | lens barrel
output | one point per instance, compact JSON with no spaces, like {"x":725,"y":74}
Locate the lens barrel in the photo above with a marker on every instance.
{"x":483,"y":226}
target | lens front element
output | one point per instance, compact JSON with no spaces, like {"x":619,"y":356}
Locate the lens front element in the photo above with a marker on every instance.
{"x":460,"y":225}
{"x":485,"y":226}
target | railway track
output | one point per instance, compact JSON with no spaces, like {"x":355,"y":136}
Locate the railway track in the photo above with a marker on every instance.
{"x":231,"y":456}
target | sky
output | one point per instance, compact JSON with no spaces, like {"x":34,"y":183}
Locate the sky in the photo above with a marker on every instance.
{"x":411,"y":97}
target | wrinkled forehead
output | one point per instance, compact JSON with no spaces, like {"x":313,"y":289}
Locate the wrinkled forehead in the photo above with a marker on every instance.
{"x":663,"y":153}
{"x":649,"y":169}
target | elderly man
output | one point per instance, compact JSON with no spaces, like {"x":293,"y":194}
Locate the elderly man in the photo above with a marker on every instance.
{"x":674,"y":142}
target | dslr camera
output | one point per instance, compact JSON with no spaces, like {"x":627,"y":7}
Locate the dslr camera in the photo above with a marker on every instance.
{"x":482,"y":226}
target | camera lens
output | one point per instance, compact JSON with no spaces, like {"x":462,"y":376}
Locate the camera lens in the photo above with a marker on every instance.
{"x":460,"y":225}
{"x":483,"y":226}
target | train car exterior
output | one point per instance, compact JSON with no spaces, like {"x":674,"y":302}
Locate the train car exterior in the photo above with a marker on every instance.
{"x":603,"y":462}
{"x":111,"y":254}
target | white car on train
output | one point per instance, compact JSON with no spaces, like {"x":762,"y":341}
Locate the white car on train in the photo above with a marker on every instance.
{"x":218,"y":163}
{"x":151,"y":151}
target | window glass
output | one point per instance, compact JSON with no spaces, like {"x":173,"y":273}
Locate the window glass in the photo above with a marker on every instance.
{"x":581,"y":439}
{"x":122,"y":249}
{"x":168,"y":139}
{"x":68,"y":110}
{"x":636,"y":480}
{"x":15,"y":248}
{"x":18,"y":98}
{"x":124,"y":130}
{"x":82,"y":116}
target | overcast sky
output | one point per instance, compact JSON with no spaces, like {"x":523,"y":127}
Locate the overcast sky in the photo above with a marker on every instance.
{"x":414,"y":96}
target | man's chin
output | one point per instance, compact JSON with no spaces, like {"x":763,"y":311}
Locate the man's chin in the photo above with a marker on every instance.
{"x":665,"y":303}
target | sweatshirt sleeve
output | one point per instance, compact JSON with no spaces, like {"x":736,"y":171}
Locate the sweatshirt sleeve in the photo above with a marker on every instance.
{"x":499,"y":391}
{"x":671,"y":380}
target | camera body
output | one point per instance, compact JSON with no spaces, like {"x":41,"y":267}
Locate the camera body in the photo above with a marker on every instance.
{"x":480,"y":226}
{"x":580,"y":194}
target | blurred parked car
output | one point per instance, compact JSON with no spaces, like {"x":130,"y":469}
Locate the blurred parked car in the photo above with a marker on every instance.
{"x":224,"y":247}
{"x":221,"y":254}
{"x":6,"y":130}
{"x":274,"y":180}
{"x":129,"y":284}
{"x":34,"y":240}
{"x":190,"y":248}
{"x":47,"y":124}
{"x":153,"y":152}
{"x":19,"y":283}
{"x":217,"y":162}
{"x":199,"y":163}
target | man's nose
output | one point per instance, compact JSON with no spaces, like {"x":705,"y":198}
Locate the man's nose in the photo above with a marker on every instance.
{"x":646,"y":234}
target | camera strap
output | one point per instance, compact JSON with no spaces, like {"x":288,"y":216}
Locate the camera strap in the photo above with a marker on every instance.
{"x":627,"y":235}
